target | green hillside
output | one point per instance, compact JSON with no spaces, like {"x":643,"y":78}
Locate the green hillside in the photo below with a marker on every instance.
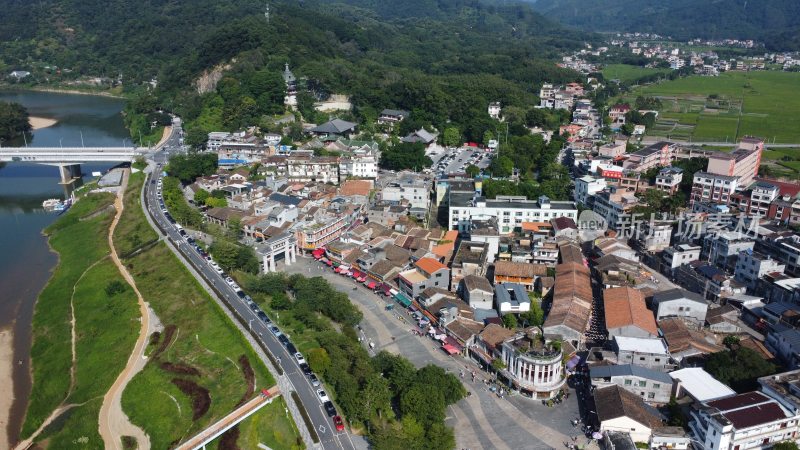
{"x":775,"y":22}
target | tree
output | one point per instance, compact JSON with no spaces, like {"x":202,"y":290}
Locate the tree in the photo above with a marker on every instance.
{"x":501,"y":166}
{"x":405,"y":155}
{"x":115,"y":287}
{"x":510,"y":321}
{"x":424,"y":402}
{"x":451,"y":387}
{"x":201,"y":196}
{"x":785,"y":445}
{"x":535,"y":316}
{"x":280,"y":301}
{"x":190,"y":166}
{"x":739,"y":368}
{"x":13,"y":121}
{"x":472,"y":170}
{"x":731,"y":341}
{"x":319,"y":360}
{"x":451,"y":137}
{"x":487,"y":136}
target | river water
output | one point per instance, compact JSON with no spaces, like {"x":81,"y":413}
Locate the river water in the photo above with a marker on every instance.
{"x":25,"y":260}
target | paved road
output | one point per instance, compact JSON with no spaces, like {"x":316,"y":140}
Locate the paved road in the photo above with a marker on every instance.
{"x":329,"y":438}
{"x":482,"y":420}
{"x":653,"y":139}
{"x":460,"y":161}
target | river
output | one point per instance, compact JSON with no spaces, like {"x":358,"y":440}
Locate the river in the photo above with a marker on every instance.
{"x":25,"y":259}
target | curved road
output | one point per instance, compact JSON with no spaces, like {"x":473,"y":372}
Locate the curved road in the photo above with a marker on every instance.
{"x":329,"y":438}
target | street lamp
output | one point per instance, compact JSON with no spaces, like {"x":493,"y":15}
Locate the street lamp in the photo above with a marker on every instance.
{"x":250,"y":325}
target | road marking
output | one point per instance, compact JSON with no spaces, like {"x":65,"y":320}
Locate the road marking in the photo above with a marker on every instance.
{"x":322,"y":429}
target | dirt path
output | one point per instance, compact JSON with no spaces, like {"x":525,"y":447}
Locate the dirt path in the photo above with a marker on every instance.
{"x":113,"y":422}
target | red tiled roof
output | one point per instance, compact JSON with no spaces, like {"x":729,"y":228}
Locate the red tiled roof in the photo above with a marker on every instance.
{"x":430,"y":265}
{"x":625,"y":306}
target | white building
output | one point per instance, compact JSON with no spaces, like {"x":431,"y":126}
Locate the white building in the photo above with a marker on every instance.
{"x":680,"y":303}
{"x":680,"y":254}
{"x":699,"y":385}
{"x":533,"y":366}
{"x":413,"y":189}
{"x":669,"y":179}
{"x":511,"y":298}
{"x":509,"y":211}
{"x":752,"y":420}
{"x":587,"y":186}
{"x":323,"y":169}
{"x":623,"y":411}
{"x":709,"y":187}
{"x":494,"y":110}
{"x":358,"y":166}
{"x":751,"y":266}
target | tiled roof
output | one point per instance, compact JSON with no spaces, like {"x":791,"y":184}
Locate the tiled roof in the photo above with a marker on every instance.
{"x":613,"y":402}
{"x":430,"y":265}
{"x":625,"y":306}
{"x":473,"y":282}
{"x":521,"y":270}
{"x":679,"y":338}
{"x":494,"y":334}
{"x":749,"y":409}
{"x":355,"y":187}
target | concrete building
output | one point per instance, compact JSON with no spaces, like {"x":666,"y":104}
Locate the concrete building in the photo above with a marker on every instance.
{"x":392,"y":116}
{"x":427,"y":272}
{"x":742,"y":163}
{"x":651,"y":353}
{"x":586,"y":187}
{"x":533,"y":366}
{"x":751,"y":266}
{"x":669,"y":179}
{"x":722,"y":249}
{"x":469,"y":259}
{"x":655,"y":237}
{"x":713,"y":188}
{"x":658,"y":154}
{"x":699,"y":385}
{"x":613,"y":205}
{"x":626,"y":313}
{"x":509,"y":211}
{"x":323,"y":169}
{"x":358,"y":166}
{"x":682,"y":304}
{"x":651,"y":386}
{"x":476,"y":291}
{"x":511,"y":298}
{"x":785,"y":343}
{"x":494,"y":110}
{"x":523,"y":274}
{"x":409,"y":187}
{"x":752,"y":420}
{"x":622,"y":411}
{"x":679,"y":255}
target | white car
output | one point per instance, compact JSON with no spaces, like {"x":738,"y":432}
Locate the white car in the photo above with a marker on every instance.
{"x":299,"y":357}
{"x":322,"y":396}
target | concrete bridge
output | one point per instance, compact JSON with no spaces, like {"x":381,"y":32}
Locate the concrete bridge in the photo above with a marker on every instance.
{"x":69,"y":159}
{"x":200,"y":440}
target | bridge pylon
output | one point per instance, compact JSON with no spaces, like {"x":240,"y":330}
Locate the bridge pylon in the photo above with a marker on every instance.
{"x":69,"y":173}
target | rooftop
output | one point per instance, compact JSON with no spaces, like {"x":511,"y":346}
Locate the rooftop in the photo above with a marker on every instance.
{"x":677,"y":294}
{"x":512,"y":293}
{"x":613,"y":402}
{"x":519,"y":270}
{"x":629,"y":370}
{"x":625,"y":306}
{"x":643,"y":345}
{"x":700,"y":385}
{"x":748,"y":410}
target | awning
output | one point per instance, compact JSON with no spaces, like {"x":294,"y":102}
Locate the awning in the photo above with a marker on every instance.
{"x":356,"y":274}
{"x":317,"y":256}
{"x":402,"y":299}
{"x":370,"y":284}
{"x":450,"y":349}
{"x":573,"y":362}
{"x":328,"y":262}
{"x":336,"y":265}
{"x":449,"y":340}
{"x":481,"y":355}
{"x":362,"y":278}
{"x":318,"y":252}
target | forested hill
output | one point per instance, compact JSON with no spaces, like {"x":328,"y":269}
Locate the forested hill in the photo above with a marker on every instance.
{"x":775,"y":22}
{"x":444,"y":60}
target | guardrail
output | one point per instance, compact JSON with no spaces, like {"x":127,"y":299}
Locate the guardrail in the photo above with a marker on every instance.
{"x":295,"y":405}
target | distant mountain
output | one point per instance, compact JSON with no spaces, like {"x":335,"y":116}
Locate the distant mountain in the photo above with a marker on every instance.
{"x":775,"y":22}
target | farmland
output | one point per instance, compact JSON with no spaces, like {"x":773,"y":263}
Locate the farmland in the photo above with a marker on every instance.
{"x":726,"y":108}
{"x":626,"y":72}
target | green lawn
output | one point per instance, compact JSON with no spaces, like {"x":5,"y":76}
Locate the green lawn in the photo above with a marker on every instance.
{"x":79,"y":238}
{"x":271,"y":426}
{"x":107,"y":328}
{"x":769,"y":100}
{"x":134,"y":230}
{"x":625,"y":72}
{"x":204,"y":339}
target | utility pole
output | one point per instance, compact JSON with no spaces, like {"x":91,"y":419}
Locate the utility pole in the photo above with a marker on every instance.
{"x":266,"y":13}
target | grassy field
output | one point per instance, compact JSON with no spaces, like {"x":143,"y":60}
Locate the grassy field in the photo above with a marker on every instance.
{"x":107,"y":327}
{"x":271,"y":426}
{"x":134,"y":230}
{"x":626,"y":72}
{"x":75,"y":237}
{"x":204,"y":339}
{"x":727,"y":107}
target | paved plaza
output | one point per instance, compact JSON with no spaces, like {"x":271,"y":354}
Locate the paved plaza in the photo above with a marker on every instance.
{"x":482,"y":420}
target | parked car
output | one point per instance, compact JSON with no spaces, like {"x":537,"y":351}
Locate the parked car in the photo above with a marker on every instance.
{"x":329,"y":408}
{"x":322,"y":395}
{"x":299,"y":358}
{"x":283,"y":339}
{"x":338,"y":423}
{"x":274,"y":330}
{"x":314,"y":380}
{"x":306,"y":370}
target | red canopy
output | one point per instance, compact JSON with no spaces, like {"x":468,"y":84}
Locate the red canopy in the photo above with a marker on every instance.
{"x":450,"y":349}
{"x":370,"y":284}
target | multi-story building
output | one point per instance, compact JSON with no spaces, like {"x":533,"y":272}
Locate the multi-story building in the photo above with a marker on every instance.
{"x":509,"y":211}
{"x":317,"y":232}
{"x":571,"y":303}
{"x":392,"y":116}
{"x":708,"y":280}
{"x":323,"y":169}
{"x":785,"y":247}
{"x":742,"y":163}
{"x":494,"y":110}
{"x":586,"y":187}
{"x":545,"y":253}
{"x":752,"y":420}
{"x":679,"y":255}
{"x":658,"y":154}
{"x":751,"y":266}
{"x":469,"y":259}
{"x":427,"y":272}
{"x":358,"y":166}
{"x":669,"y":179}
{"x":651,"y":353}
{"x":533,"y":366}
{"x":722,"y":249}
{"x":651,"y":386}
{"x":409,"y":187}
{"x":477,"y":292}
{"x":680,"y":303}
{"x":524,"y":274}
{"x":613,"y":205}
{"x":709,"y":187}
{"x":626,"y":313}
{"x":655,"y":237}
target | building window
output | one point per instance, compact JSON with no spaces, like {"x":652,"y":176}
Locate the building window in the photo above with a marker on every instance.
{"x":656,"y":385}
{"x":651,"y":395}
{"x":627,"y":382}
{"x":642,"y":383}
